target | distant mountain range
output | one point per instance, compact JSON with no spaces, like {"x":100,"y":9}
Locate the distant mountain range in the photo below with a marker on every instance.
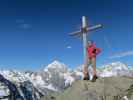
{"x":56,"y":77}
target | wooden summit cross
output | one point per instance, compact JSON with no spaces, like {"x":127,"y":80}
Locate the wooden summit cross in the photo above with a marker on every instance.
{"x":83,"y":33}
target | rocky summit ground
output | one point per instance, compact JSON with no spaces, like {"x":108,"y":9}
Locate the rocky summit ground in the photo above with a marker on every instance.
{"x":111,"y":88}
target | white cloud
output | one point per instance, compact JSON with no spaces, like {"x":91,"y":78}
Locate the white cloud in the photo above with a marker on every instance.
{"x":122,"y":54}
{"x":68,"y":47}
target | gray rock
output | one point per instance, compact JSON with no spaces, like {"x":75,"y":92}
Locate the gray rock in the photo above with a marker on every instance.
{"x":111,"y":88}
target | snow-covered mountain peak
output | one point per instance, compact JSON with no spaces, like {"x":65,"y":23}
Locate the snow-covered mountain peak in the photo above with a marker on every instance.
{"x":115,"y":66}
{"x":56,"y":62}
{"x":115,"y":69}
{"x":57,"y":66}
{"x":13,"y":75}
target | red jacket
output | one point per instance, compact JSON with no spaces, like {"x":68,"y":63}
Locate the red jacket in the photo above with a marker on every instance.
{"x":93,"y":51}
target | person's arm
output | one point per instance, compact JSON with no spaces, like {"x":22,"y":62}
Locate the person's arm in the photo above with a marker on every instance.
{"x":94,"y":51}
{"x":98,"y":50}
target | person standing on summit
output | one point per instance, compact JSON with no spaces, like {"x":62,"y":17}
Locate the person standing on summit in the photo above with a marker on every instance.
{"x":92,"y":52}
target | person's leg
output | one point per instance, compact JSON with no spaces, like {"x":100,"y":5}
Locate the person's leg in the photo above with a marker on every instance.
{"x":86,"y":72}
{"x":94,"y":66}
{"x":94,"y":69}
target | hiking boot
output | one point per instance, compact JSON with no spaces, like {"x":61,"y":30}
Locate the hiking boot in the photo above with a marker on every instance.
{"x":94,"y":78}
{"x":86,"y":78}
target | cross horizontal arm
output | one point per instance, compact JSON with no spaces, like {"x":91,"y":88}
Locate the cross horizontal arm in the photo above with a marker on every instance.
{"x":75,"y":33}
{"x":92,"y":28}
{"x":79,"y":33}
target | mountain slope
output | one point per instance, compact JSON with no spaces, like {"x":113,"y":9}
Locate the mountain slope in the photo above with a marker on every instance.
{"x":111,"y":88}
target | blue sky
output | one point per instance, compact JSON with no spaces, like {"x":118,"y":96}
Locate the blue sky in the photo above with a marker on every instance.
{"x":35,"y":32}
